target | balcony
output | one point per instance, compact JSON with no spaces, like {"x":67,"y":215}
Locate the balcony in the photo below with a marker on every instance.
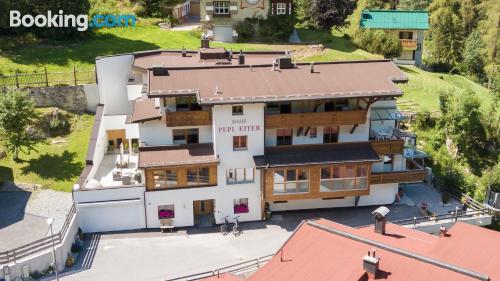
{"x":408,"y":44}
{"x":388,"y":146}
{"x":398,"y":177}
{"x":293,"y":120}
{"x":188,"y":118}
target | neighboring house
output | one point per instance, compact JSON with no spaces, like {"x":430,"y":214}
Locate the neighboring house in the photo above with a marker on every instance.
{"x":325,"y":250}
{"x":222,"y":16}
{"x":208,"y":134}
{"x":410,"y":26}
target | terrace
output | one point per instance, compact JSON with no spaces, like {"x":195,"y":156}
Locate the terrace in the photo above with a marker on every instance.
{"x":113,"y":172}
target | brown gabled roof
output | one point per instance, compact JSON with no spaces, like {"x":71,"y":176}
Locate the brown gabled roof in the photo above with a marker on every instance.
{"x":297,"y":155}
{"x":145,"y":110}
{"x":169,"y":59}
{"x":176,"y":155}
{"x":240,"y":84}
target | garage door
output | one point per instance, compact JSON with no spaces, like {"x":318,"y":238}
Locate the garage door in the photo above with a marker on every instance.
{"x":111,"y":215}
{"x":223,"y":34}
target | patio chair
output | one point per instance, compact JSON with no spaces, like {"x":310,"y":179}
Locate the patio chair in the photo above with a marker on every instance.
{"x":117,"y":176}
{"x":126,"y":180}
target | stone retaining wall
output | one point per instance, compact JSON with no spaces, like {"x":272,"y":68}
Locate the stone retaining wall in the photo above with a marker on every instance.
{"x":70,"y":98}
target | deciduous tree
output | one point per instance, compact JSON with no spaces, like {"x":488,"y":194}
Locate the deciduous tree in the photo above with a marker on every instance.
{"x":17,"y":119}
{"x":325,"y":14}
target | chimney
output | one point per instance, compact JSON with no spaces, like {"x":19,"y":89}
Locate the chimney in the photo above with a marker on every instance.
{"x":285,"y":62}
{"x":205,"y":43}
{"x":241,"y":58}
{"x":371,"y":264}
{"x":380,"y":214}
{"x":442,"y":231}
{"x":312,"y":67}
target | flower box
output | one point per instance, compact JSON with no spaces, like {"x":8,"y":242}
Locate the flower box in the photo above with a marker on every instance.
{"x":240,"y":208}
{"x":166,"y":214}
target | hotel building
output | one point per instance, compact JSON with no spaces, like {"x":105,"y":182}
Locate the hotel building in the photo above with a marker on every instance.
{"x":188,"y":138}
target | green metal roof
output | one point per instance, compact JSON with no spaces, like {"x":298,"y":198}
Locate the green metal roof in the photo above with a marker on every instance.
{"x":394,"y":19}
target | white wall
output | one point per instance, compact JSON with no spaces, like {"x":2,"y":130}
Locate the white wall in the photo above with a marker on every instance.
{"x":156,"y":132}
{"x":92,"y":96}
{"x":380,"y":194}
{"x":182,"y":199}
{"x":134,"y":91}
{"x":113,"y":74}
{"x":312,"y":204}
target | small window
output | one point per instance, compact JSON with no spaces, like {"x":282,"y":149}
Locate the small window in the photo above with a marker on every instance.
{"x":331,"y":135}
{"x":284,"y":136}
{"x":239,"y":143}
{"x":313,"y":133}
{"x":240,"y":175}
{"x":166,"y":211}
{"x":281,"y":8}
{"x":237,"y":110}
{"x":185,"y":136}
{"x":241,"y":205}
{"x":405,"y":35}
{"x":221,"y":8}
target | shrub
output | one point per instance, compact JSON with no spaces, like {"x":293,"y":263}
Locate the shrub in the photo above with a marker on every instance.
{"x":55,"y":122}
{"x":275,"y":28}
{"x":246,"y":31}
{"x":36,"y":274}
{"x":424,"y":120}
{"x":70,"y":261}
{"x":381,"y":42}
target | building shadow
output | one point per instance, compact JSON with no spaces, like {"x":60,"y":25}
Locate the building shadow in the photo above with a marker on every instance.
{"x":12,"y":204}
{"x":54,"y":166}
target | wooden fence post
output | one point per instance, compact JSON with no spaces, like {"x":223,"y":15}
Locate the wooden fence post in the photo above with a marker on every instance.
{"x":17,"y":80}
{"x":74,"y":73}
{"x":46,"y":77}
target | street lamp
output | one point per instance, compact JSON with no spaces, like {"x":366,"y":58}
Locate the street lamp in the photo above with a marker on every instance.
{"x":50,"y":221}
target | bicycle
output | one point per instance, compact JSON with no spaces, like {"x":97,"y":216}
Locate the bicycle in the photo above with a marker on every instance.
{"x":225,"y":226}
{"x":236,"y":227}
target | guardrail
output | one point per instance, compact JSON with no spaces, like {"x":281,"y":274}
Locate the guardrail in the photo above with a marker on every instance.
{"x":235,"y":268}
{"x":47,"y":79}
{"x":475,"y":208}
{"x":38,"y":245}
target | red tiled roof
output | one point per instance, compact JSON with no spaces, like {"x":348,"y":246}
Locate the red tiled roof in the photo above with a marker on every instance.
{"x":316,"y":254}
{"x":260,"y":84}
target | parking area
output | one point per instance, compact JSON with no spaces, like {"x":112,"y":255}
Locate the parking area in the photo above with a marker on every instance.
{"x":23,"y":216}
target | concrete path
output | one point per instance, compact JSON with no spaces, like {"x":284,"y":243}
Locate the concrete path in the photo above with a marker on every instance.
{"x":415,"y":194}
{"x":151,"y":255}
{"x":23,"y":215}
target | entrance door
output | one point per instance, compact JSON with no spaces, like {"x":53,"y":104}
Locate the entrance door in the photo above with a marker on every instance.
{"x":204,"y":212}
{"x":203,"y":207}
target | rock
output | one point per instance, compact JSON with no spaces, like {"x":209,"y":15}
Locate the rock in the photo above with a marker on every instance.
{"x":317,"y":48}
{"x":3,"y":154}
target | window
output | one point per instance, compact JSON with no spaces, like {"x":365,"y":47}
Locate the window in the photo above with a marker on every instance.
{"x":279,"y":108}
{"x":341,"y":178}
{"x":237,"y":109}
{"x":239,"y":143}
{"x":294,"y":180}
{"x":186,"y":104}
{"x":185,"y":136}
{"x":240,"y":205}
{"x":281,"y":8}
{"x":405,"y":35}
{"x":166,"y":212}
{"x":198,"y":176}
{"x":331,"y":135}
{"x":313,"y":133}
{"x":284,"y":136}
{"x":336,"y":105}
{"x":165,"y":178}
{"x":240,"y":175}
{"x":221,"y":8}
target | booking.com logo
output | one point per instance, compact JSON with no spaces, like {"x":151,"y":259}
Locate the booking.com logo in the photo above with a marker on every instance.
{"x":80,"y":22}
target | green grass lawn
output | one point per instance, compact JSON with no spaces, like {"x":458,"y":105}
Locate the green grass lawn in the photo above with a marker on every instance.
{"x":58,"y":162}
{"x":423,"y":87}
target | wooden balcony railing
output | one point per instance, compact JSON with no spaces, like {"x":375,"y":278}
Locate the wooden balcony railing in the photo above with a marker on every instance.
{"x":408,"y":44}
{"x":388,"y":146}
{"x":293,"y":120}
{"x":189,"y":118}
{"x":397,"y":177}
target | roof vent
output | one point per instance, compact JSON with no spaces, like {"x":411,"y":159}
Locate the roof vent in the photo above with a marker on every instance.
{"x":205,"y":43}
{"x":159,"y":70}
{"x":274,"y":66}
{"x":312,"y":67}
{"x":380,"y":220}
{"x":184,"y":53}
{"x":217,"y":91}
{"x":443,"y":231}
{"x":371,"y":264}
